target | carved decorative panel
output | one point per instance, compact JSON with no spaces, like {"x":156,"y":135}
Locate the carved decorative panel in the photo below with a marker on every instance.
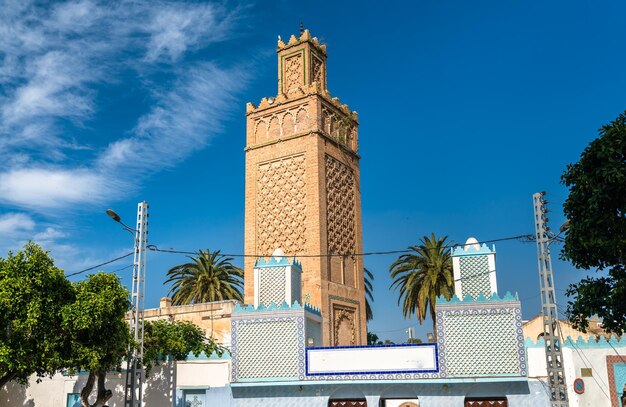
{"x":339,"y":127}
{"x":293,"y":72}
{"x":281,"y":206}
{"x":316,"y":70}
{"x":344,"y":332}
{"x":340,"y":207}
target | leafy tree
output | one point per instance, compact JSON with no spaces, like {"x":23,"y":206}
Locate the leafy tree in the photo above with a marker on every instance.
{"x":32,"y":294}
{"x":100,"y":334}
{"x":414,"y":340}
{"x":423,"y":275}
{"x":596,"y":238}
{"x":369,"y":294}
{"x":175,"y":340}
{"x":209,"y":277}
{"x":372,"y":339}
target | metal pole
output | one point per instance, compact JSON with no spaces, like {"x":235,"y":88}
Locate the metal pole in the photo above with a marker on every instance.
{"x":134,"y":370}
{"x":549,"y":312}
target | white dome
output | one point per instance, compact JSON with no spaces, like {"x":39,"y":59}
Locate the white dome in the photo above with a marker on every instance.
{"x":278,"y":253}
{"x":471,"y":242}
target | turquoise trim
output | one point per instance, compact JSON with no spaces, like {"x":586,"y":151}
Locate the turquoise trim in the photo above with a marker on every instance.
{"x":275,"y":307}
{"x":272,"y":262}
{"x":213,"y":356}
{"x":297,"y":382}
{"x":313,"y":309}
{"x":472,"y":251}
{"x":480,"y":299}
{"x":582,"y":343}
{"x":265,"y":380}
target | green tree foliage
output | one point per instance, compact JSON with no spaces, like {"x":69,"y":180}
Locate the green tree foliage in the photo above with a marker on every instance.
{"x":99,"y":332}
{"x":372,"y":339}
{"x":208,"y":277}
{"x":596,"y":238}
{"x":33,"y":293}
{"x":101,"y":336}
{"x":423,"y":275}
{"x":369,"y":294}
{"x":175,"y":340}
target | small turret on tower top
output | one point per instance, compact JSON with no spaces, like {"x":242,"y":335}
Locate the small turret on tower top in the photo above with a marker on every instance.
{"x":474,"y":268}
{"x":301,"y":63}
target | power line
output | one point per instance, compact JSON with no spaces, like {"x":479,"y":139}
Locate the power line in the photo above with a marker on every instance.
{"x":99,"y":265}
{"x":522,"y":238}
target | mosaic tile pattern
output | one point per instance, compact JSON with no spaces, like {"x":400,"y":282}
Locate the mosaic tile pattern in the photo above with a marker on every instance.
{"x":475,"y":276}
{"x":271,"y":285}
{"x":267,"y":348}
{"x":481,"y":339}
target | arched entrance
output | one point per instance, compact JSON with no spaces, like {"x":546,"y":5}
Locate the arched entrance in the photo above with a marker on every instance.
{"x":347,"y":396}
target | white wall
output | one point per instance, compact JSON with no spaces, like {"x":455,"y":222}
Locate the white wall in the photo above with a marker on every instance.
{"x":158,"y":391}
{"x":597,"y":392}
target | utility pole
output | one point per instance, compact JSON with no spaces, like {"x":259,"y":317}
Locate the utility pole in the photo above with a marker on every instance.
{"x":134,"y":368}
{"x":549,"y":312}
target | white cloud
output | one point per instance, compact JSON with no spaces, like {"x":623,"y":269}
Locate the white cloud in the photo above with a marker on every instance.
{"x":53,"y":61}
{"x":40,"y":188}
{"x":174,"y":30}
{"x":181,"y":122}
{"x":15,"y":223}
{"x":49,"y":234}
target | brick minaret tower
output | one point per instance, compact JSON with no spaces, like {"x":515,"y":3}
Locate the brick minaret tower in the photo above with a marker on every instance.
{"x":303,"y":189}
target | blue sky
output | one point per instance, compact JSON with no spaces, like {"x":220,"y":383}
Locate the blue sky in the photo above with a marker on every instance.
{"x":466,"y":109}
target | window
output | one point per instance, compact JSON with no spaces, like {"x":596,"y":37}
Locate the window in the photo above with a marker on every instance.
{"x":73,"y":400}
{"x":194,"y":398}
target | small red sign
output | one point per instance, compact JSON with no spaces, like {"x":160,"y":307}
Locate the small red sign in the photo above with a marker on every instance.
{"x":579,"y":386}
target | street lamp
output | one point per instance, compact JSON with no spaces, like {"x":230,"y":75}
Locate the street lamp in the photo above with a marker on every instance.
{"x":113,"y":215}
{"x":134,"y":368}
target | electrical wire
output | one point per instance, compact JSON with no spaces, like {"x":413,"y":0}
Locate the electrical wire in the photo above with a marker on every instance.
{"x":522,"y":238}
{"x":99,"y":265}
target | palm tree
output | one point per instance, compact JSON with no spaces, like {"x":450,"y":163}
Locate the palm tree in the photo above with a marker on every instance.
{"x":369,"y":296}
{"x":422,"y":276}
{"x":209,"y":277}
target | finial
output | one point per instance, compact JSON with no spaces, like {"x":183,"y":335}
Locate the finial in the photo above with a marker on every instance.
{"x":301,"y":27}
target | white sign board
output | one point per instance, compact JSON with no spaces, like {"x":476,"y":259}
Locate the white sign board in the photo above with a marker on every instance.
{"x":372,"y":359}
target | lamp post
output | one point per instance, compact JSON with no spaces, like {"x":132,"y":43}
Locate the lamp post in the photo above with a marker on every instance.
{"x":134,"y":368}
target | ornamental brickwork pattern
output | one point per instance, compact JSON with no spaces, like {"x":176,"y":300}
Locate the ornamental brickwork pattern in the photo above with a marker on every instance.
{"x":340,"y":207}
{"x":316,"y":70}
{"x":339,"y":128}
{"x":281,"y":207}
{"x":293,"y":72}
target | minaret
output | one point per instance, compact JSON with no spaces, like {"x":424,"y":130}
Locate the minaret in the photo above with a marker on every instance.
{"x":474,"y":270}
{"x":303,"y":189}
